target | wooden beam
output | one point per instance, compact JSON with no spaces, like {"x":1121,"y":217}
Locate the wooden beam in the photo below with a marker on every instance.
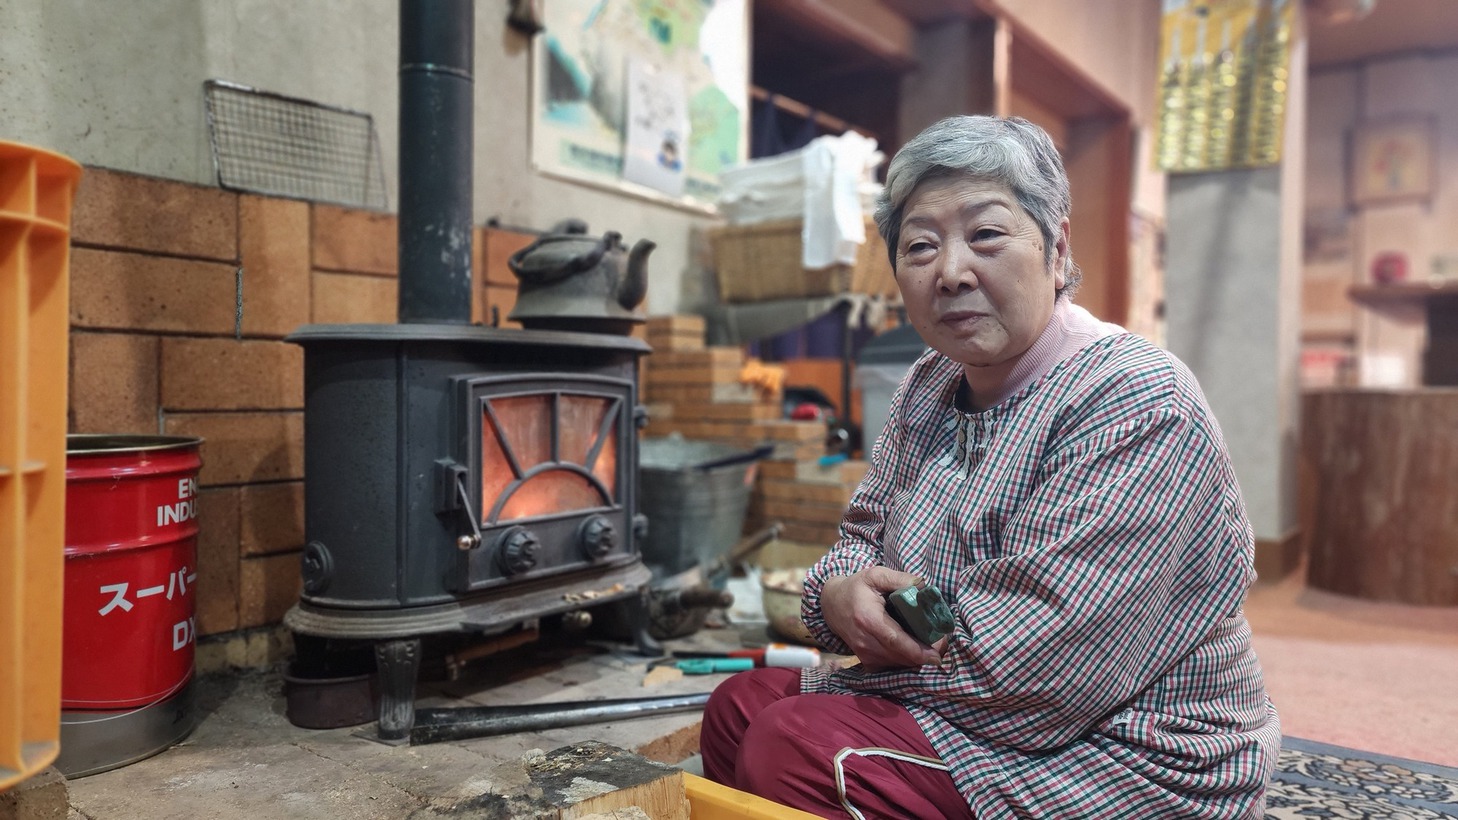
{"x":1099,"y":162}
{"x":1002,"y":40}
{"x":864,"y":25}
{"x":803,"y":111}
{"x":1044,"y":74}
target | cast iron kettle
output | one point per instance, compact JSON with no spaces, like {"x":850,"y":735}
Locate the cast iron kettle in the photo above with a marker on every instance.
{"x":568,"y":280}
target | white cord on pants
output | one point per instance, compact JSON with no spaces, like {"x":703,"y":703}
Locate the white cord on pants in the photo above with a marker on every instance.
{"x":874,"y":751}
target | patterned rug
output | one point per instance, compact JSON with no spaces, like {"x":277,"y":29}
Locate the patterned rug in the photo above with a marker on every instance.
{"x":1317,"y":780}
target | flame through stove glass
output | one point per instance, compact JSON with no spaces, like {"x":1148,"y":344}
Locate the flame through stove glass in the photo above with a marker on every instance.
{"x":548,"y":453}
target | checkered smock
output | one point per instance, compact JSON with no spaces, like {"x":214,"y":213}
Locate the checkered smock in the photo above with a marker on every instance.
{"x":1089,"y":535}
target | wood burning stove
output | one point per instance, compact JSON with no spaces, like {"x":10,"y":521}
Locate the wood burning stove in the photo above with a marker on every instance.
{"x":464,"y":479}
{"x":460,"y":478}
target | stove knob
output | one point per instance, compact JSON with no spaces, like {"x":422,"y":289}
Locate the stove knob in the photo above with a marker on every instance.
{"x":317,"y":568}
{"x":517,"y":550}
{"x":598,"y":536}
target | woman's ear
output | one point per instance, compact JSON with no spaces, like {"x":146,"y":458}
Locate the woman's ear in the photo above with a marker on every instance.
{"x":1060,"y":257}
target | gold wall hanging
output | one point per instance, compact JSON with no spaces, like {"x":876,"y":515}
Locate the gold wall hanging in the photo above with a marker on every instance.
{"x":1222,"y":85}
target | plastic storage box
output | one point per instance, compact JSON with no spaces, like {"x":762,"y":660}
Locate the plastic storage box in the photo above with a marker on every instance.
{"x":882,"y":364}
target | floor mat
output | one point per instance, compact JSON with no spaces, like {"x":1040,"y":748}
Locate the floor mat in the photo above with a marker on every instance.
{"x":1318,"y":780}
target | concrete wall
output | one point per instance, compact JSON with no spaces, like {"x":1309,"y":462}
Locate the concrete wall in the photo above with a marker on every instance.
{"x":1221,"y":286}
{"x":119,"y":85}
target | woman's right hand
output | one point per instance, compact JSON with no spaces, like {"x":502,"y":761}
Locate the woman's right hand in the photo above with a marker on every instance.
{"x":855,"y":609}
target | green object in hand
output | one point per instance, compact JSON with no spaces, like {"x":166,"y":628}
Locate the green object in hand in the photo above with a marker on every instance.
{"x":921,"y":612}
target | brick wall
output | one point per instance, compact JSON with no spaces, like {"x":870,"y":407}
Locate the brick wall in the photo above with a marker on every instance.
{"x":161,"y":342}
{"x":159,"y":345}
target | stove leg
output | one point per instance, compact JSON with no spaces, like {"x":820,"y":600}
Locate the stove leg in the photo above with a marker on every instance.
{"x":398,"y":663}
{"x":645,"y":643}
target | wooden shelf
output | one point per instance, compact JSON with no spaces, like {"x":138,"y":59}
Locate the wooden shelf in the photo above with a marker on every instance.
{"x":1328,"y":335}
{"x":1438,"y":302}
{"x":1402,"y":292}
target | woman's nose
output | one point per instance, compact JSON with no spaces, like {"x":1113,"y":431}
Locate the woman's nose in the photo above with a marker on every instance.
{"x":955,"y":272}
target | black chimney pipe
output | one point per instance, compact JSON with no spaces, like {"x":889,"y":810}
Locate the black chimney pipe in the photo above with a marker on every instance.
{"x":436,"y":52}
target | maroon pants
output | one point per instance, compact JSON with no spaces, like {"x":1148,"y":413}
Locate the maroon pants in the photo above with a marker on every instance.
{"x":832,"y":755}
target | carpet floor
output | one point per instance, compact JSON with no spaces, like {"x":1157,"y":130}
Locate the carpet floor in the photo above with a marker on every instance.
{"x":1319,"y":780}
{"x":1369,"y":675}
{"x":1348,"y":674}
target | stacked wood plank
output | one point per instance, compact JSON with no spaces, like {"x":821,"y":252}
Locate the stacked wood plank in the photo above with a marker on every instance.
{"x":697,"y":391}
{"x":807,"y":498}
{"x":678,"y":332}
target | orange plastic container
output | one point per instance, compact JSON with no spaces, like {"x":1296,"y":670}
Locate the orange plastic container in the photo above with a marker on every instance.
{"x":37,"y":189}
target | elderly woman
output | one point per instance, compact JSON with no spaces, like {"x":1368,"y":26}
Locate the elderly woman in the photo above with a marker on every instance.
{"x":1065,"y":486}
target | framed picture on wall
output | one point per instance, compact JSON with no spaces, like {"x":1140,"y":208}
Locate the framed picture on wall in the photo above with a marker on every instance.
{"x":1392,"y":161}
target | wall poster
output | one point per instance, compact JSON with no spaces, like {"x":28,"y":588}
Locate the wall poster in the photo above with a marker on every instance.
{"x":598,"y":61}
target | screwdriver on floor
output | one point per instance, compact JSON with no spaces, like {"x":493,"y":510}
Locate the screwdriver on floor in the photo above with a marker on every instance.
{"x":736,"y":660}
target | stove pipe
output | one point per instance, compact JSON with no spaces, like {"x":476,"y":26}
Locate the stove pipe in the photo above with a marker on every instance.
{"x":436,"y":50}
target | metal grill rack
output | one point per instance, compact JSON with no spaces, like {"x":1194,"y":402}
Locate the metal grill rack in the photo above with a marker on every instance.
{"x":268,"y":143}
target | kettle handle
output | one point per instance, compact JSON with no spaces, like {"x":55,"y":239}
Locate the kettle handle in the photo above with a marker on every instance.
{"x":577,"y":264}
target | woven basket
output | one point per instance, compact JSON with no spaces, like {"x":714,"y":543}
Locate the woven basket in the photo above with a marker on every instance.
{"x":760,"y":262}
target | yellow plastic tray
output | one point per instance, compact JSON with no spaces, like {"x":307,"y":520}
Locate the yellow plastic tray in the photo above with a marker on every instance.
{"x":710,"y":801}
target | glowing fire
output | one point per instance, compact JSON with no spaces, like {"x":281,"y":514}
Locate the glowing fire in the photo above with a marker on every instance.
{"x":540,"y":449}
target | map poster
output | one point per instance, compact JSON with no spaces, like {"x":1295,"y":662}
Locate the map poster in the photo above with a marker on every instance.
{"x":581,"y":89}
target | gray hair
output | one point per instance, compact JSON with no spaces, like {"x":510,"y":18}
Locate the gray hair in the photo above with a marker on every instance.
{"x":1011,"y":151}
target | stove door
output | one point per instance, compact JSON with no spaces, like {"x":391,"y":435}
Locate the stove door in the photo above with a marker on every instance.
{"x":551,"y":468}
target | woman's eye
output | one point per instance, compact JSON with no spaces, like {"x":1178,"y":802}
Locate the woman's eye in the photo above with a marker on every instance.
{"x":918,"y":247}
{"x":985,"y":234}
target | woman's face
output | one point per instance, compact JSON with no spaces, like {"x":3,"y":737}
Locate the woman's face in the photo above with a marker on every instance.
{"x":970,"y":264}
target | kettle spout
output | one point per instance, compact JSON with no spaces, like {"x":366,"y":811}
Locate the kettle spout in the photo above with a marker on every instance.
{"x":634,"y":286}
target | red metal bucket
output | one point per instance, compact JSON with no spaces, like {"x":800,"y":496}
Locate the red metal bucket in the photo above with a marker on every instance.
{"x":131,"y":574}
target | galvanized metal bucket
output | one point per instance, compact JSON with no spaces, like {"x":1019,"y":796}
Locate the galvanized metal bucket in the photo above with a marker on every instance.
{"x":695,"y":494}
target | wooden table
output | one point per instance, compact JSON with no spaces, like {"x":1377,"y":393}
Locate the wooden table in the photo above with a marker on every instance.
{"x":1385,"y":469}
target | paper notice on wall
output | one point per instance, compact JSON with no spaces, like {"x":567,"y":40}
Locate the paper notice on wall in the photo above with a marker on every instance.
{"x":657,"y":133}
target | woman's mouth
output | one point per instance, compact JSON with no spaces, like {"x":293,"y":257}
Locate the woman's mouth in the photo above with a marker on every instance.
{"x":962,"y":319}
